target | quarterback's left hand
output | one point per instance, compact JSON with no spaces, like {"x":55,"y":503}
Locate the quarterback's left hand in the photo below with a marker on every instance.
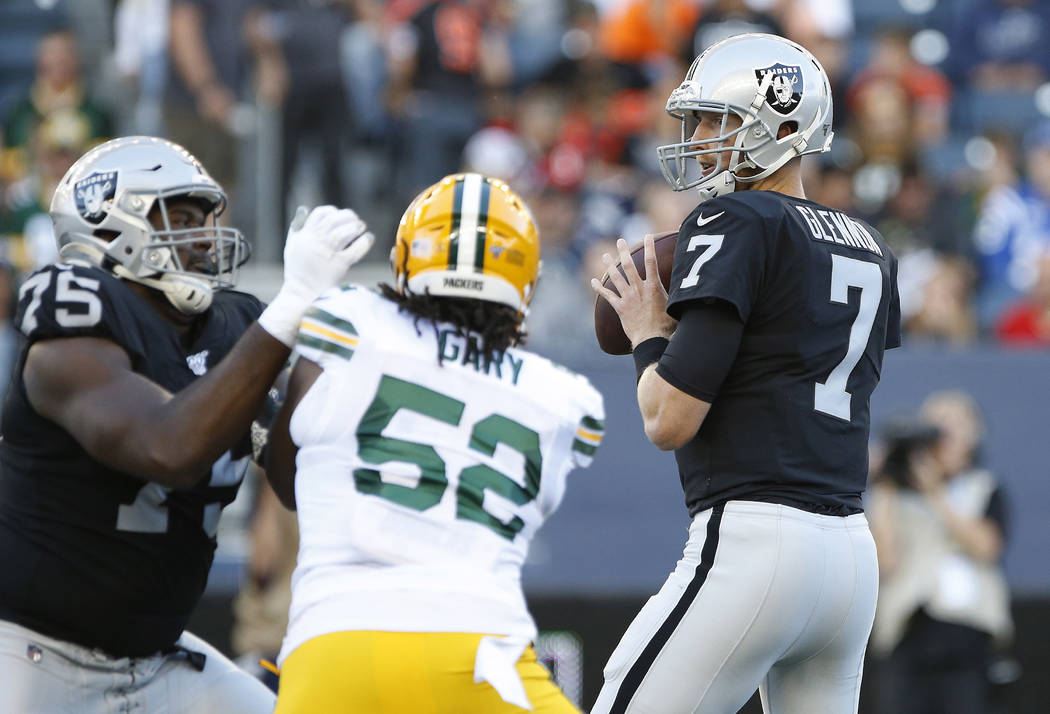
{"x":642,"y":302}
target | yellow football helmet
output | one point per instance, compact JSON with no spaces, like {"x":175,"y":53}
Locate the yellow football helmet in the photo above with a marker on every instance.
{"x":469,"y":236}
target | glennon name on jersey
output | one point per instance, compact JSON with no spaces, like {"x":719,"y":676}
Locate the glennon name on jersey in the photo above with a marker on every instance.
{"x":835,"y":227}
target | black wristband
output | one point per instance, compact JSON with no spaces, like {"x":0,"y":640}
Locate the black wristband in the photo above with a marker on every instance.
{"x":647,"y":352}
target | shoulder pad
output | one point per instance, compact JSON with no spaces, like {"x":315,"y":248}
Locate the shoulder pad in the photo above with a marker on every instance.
{"x":331,"y":327}
{"x":64,"y":300}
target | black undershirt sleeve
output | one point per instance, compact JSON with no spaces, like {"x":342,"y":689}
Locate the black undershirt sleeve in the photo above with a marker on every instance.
{"x":702,"y":348}
{"x":997,"y":511}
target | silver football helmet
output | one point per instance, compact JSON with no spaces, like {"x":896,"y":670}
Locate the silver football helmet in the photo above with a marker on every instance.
{"x":765,"y":80}
{"x":101,"y":212}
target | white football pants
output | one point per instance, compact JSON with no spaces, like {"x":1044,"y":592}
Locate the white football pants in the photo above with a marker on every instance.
{"x":765,"y":597}
{"x":42,"y":675}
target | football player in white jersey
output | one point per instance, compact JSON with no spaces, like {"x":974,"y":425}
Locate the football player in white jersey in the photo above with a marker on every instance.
{"x":423,"y":449}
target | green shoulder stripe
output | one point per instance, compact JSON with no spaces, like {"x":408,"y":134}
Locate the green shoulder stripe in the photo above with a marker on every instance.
{"x":325,"y":346}
{"x":592,"y":424}
{"x":331,"y":320}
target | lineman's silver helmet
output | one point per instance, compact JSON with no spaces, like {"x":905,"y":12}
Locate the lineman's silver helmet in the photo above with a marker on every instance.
{"x":765,"y":80}
{"x":112,"y":189}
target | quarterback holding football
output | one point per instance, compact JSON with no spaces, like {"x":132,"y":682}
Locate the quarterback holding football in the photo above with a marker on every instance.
{"x":756,"y":367}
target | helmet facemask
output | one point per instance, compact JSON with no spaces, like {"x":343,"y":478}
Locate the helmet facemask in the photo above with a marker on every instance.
{"x":680,"y":162}
{"x":194,"y":262}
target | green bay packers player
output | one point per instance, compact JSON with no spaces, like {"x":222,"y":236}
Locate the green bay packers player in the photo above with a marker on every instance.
{"x":423,"y":448}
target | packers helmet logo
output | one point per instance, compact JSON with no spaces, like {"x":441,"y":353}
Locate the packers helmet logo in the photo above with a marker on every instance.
{"x":785,"y":87}
{"x":92,"y":193}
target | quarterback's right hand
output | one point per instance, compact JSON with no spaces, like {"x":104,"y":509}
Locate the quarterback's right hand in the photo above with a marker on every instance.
{"x":322,"y":245}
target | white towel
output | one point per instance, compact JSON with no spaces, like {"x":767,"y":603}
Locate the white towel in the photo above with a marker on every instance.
{"x":496,"y":663}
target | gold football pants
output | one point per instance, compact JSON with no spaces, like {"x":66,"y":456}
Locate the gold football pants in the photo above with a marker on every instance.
{"x":404,"y":673}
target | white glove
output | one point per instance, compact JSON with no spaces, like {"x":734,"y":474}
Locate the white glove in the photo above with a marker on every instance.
{"x":320,"y":248}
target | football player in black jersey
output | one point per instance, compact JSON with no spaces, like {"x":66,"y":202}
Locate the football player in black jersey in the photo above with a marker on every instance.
{"x":757,"y":368}
{"x":126,"y":431}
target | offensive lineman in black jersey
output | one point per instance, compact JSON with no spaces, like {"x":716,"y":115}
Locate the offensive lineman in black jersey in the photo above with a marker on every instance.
{"x":125,"y":431}
{"x":757,"y":369}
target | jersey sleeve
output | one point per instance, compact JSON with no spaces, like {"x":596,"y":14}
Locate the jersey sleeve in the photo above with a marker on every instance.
{"x":63,"y":300}
{"x":590,"y":428}
{"x":720,"y":255}
{"x":327,"y":332}
{"x":893,"y":321}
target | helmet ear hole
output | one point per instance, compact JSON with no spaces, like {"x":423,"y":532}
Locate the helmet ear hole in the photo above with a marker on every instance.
{"x":787,"y":129}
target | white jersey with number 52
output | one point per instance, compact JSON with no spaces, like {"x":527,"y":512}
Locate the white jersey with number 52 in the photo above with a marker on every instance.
{"x":420,"y":484}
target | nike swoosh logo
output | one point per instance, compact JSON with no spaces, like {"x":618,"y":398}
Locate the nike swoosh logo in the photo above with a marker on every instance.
{"x":701,"y":221}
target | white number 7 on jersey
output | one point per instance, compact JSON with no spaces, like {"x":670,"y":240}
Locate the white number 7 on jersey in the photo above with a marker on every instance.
{"x":831,"y":397}
{"x":715,"y":242}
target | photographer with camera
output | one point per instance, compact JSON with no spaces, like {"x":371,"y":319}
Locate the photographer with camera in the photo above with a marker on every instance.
{"x":939,"y":523}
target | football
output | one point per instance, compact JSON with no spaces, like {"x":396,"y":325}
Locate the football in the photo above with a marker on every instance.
{"x":607,"y":326}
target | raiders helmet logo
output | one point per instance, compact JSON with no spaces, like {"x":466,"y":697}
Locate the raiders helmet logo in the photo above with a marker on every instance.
{"x":91,"y":194}
{"x":785,"y":89}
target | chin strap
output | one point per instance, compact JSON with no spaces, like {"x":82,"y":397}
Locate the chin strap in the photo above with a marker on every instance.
{"x":187,"y":295}
{"x":721,"y":184}
{"x":84,"y":252}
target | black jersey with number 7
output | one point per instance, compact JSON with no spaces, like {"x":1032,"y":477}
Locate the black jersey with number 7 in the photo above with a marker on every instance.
{"x":817,"y":292}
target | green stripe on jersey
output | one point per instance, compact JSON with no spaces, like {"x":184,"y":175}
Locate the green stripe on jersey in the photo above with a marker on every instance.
{"x":318,"y":343}
{"x":592,"y":424}
{"x":583,"y":447}
{"x":331,"y":320}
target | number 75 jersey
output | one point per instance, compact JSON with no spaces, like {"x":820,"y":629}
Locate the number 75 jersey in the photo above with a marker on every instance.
{"x":420,"y":484}
{"x":90,"y":554}
{"x":817,"y":293}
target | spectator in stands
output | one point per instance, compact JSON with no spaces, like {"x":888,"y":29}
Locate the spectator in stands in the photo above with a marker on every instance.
{"x":559,"y":320}
{"x":935,"y":273}
{"x":722,"y":19}
{"x":891,"y":67}
{"x":1013,"y":231}
{"x":27,"y":239}
{"x":918,"y":216}
{"x":140,"y":57}
{"x":22,"y":24}
{"x":880,"y":122}
{"x":443,"y":59}
{"x":315,"y":114}
{"x":1027,"y":322}
{"x":830,"y":184}
{"x":57,"y":87}
{"x":580,"y":59}
{"x":937,"y":298}
{"x":940,"y":524}
{"x":209,"y":69}
{"x":1001,"y":45}
{"x":636,"y":33}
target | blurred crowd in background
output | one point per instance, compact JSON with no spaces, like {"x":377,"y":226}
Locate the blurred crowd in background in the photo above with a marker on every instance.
{"x":942,"y":124}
